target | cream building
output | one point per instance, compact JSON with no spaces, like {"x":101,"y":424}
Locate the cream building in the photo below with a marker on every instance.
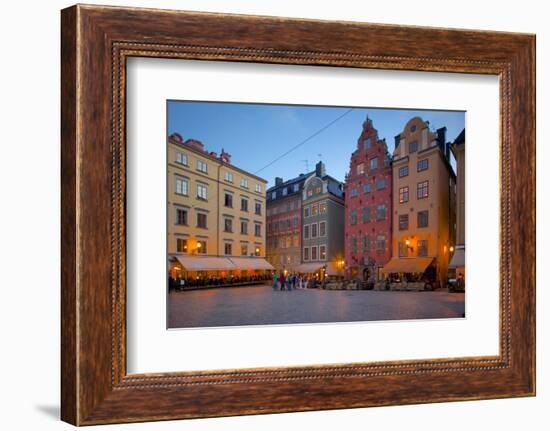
{"x":216,"y":213}
{"x":458,"y":261}
{"x":424,"y":207}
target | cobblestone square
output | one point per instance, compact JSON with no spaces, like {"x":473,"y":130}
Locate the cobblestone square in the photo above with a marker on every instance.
{"x":261,"y":305}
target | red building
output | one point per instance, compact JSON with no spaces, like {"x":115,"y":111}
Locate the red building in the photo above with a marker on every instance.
{"x":368,"y":201}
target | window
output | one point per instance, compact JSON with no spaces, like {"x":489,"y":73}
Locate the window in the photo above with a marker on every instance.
{"x":201,"y":247}
{"x":314,"y":210}
{"x":422,"y":190}
{"x":374,"y":163}
{"x":353,"y":192}
{"x":422,"y":165}
{"x":367,"y":188}
{"x":273,"y":195}
{"x":310,"y":193}
{"x":413,"y":146}
{"x":380,"y":184}
{"x":201,"y":220}
{"x":314,"y":253}
{"x":422,"y":246}
{"x":288,"y":224}
{"x":258,"y":208}
{"x":228,"y":248}
{"x":258,"y":229}
{"x":381,"y":243}
{"x":314,"y":230}
{"x":244,"y":249}
{"x":403,"y":194}
{"x":202,"y":191}
{"x":227,"y":225}
{"x":181,"y":245}
{"x":306,"y":212}
{"x":244,"y":183}
{"x":244,"y":227}
{"x":323,"y":208}
{"x":360,"y":169}
{"x":366,"y":243}
{"x":366,"y":143}
{"x":422,"y":219}
{"x":353,"y":244}
{"x":181,"y":216}
{"x":317,"y":190}
{"x":296,"y":187}
{"x":306,"y":231}
{"x":403,"y":222}
{"x":244,"y":204}
{"x":257,"y":251}
{"x":182,"y":186}
{"x":353,"y":217}
{"x":202,"y":166}
{"x":295,"y":241}
{"x":285,"y":191}
{"x":413,"y":128}
{"x":181,"y":158}
{"x":228,"y":176}
{"x":381,"y":212}
{"x":228,"y":200}
{"x":258,"y":188}
{"x":306,"y":253}
{"x":322,"y":252}
{"x":322,"y":228}
{"x":295,"y":222}
{"x":403,"y":171}
{"x":403,"y":249}
{"x":366,"y":214}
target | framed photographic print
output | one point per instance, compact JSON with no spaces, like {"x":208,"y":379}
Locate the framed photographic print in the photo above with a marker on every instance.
{"x":266,"y":215}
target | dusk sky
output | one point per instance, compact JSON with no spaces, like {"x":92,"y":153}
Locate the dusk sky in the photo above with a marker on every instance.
{"x":257,"y":134}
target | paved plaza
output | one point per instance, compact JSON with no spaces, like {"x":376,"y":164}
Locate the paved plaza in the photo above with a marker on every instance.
{"x":261,"y":305}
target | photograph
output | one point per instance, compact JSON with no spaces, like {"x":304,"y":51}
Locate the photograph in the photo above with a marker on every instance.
{"x":296,"y":214}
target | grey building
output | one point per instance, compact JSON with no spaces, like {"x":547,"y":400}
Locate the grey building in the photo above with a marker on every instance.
{"x":323,"y":217}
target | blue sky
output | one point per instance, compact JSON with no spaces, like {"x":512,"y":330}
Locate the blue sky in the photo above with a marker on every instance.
{"x":257,"y":134}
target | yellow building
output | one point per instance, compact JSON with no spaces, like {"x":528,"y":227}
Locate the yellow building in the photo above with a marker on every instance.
{"x":423,"y":204}
{"x":458,"y":260}
{"x":216,"y":213}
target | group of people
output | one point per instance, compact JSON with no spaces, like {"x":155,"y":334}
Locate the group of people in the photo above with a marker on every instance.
{"x":284,"y":281}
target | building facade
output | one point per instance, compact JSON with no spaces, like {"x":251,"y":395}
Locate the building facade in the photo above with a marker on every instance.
{"x":215,"y":209}
{"x":322,"y":224}
{"x":458,"y":261}
{"x":423,"y":204}
{"x":368,"y":206}
{"x":284,"y":223}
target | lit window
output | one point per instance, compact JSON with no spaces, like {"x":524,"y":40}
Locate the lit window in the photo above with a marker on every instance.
{"x":422,"y":247}
{"x":403,"y":194}
{"x":422,"y":190}
{"x":181,"y":245}
{"x":201,"y":247}
{"x":314,"y":210}
{"x":244,"y":249}
{"x":322,"y":208}
{"x":322,"y":252}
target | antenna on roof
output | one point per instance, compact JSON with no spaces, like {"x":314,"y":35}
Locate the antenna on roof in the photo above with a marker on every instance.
{"x":306,"y":163}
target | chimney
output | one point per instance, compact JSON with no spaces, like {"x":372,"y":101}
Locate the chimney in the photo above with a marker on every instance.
{"x":442,"y":141}
{"x":278,"y":181}
{"x":397,"y":140}
{"x":320,"y":169}
{"x":193,"y":143}
{"x":225,"y":157}
{"x":176,"y":137}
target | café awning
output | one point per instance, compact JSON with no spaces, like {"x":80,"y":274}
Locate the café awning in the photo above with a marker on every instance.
{"x":334,"y":269}
{"x":205,"y":263}
{"x":251,"y":263}
{"x":459,"y":259}
{"x":306,"y":268}
{"x":407,"y":265}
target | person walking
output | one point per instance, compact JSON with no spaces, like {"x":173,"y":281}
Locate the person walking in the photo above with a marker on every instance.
{"x":289,"y":282}
{"x":282,"y":280}
{"x":275,"y":281}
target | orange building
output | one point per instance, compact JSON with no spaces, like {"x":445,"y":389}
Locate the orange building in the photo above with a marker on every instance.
{"x":424,"y":205}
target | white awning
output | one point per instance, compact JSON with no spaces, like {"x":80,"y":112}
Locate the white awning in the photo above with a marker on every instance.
{"x":251,"y":263}
{"x":205,"y":263}
{"x":459,"y":259}
{"x":309,"y":267}
{"x":407,"y":265}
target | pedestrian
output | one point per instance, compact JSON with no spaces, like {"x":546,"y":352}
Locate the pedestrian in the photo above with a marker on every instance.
{"x":289,"y":282}
{"x":299,"y":282}
{"x":282,"y":280}
{"x":275,"y":281}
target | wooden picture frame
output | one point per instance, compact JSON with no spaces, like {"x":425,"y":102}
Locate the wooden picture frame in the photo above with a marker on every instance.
{"x":95,"y":43}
